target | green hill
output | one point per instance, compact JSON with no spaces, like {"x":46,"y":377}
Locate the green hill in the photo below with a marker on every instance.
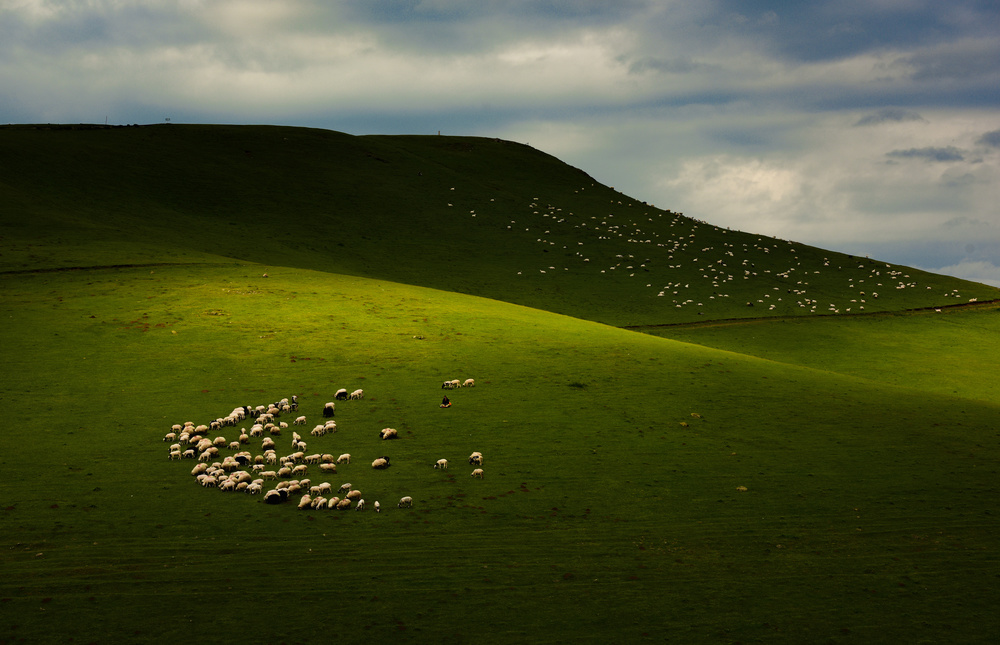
{"x":803,"y":478}
{"x":470,"y":215}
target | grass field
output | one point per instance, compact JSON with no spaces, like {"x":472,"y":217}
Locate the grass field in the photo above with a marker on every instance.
{"x":612,"y":507}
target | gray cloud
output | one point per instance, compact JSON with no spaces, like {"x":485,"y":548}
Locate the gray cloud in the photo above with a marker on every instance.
{"x":889,"y":115}
{"x":949,"y":153}
{"x":991,"y":139}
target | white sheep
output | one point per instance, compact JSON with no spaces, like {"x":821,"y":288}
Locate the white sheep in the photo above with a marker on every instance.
{"x":357,"y":395}
{"x":328,"y":409}
{"x":476,"y":459}
{"x":377,"y":507}
{"x":175,"y":454}
{"x":332,"y":504}
{"x":313,"y":459}
{"x":319,"y":503}
{"x":380,"y":463}
{"x":343,"y":504}
{"x":305,"y":502}
{"x":388,"y":433}
{"x":360,"y":506}
{"x":344,"y":458}
{"x":405,"y":502}
{"x":442,"y":464}
{"x":478,"y":472}
{"x":469,"y":383}
{"x":300,"y":421}
{"x":341,"y":394}
{"x":301,"y":469}
{"x":344,"y":488}
{"x":325,"y":488}
{"x":328,"y":467}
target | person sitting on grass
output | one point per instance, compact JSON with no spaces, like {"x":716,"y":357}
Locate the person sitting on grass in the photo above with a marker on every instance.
{"x":445,"y":403}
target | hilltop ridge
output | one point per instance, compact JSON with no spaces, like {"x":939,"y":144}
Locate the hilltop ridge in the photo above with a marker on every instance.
{"x":472,"y":215}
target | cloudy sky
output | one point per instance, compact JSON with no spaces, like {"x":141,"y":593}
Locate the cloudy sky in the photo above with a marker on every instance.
{"x":865,"y":126}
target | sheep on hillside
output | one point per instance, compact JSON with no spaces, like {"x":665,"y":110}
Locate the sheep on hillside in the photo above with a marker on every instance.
{"x":405,"y":502}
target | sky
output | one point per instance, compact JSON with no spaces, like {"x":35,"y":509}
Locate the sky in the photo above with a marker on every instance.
{"x":869,"y":127}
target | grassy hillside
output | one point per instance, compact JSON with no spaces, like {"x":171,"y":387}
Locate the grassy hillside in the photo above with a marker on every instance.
{"x":607,"y":511}
{"x":809,"y":478}
{"x":470,"y":215}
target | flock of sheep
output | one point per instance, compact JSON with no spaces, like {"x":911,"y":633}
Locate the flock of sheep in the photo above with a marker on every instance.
{"x":709,"y":270}
{"x":248,"y":471}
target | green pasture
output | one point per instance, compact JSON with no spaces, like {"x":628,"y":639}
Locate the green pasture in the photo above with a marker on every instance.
{"x":869,"y":511}
{"x":774,"y":469}
{"x":953,"y":351}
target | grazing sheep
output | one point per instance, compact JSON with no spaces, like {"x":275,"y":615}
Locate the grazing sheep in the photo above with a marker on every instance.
{"x":244,"y":437}
{"x":267,"y":444}
{"x":305,"y":502}
{"x":175,"y":454}
{"x":478,"y":472}
{"x":328,"y":409}
{"x":405,"y":502}
{"x":276,"y":496}
{"x":220,"y":442}
{"x":301,"y":469}
{"x":313,"y":459}
{"x":344,"y":458}
{"x":469,"y":383}
{"x":170,"y":436}
{"x":476,"y":459}
{"x":300,"y":421}
{"x":319,"y":503}
{"x":341,"y":394}
{"x":381,"y":463}
{"x":234,"y":445}
{"x":357,"y":395}
{"x":442,"y":464}
{"x":285,"y":472}
{"x":332,"y":504}
{"x":328,"y":467}
{"x":353,"y":494}
{"x":343,"y":504}
{"x":199,"y":469}
{"x":188,"y":454}
{"x":360,"y":506}
{"x":299,"y":445}
{"x":388,"y":433}
{"x":325,"y":488}
{"x":377,"y":507}
{"x":344,"y":488}
{"x":253,"y":489}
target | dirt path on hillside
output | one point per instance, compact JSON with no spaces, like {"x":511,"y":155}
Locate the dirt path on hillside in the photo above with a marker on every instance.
{"x":111,"y":266}
{"x":726,"y":322}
